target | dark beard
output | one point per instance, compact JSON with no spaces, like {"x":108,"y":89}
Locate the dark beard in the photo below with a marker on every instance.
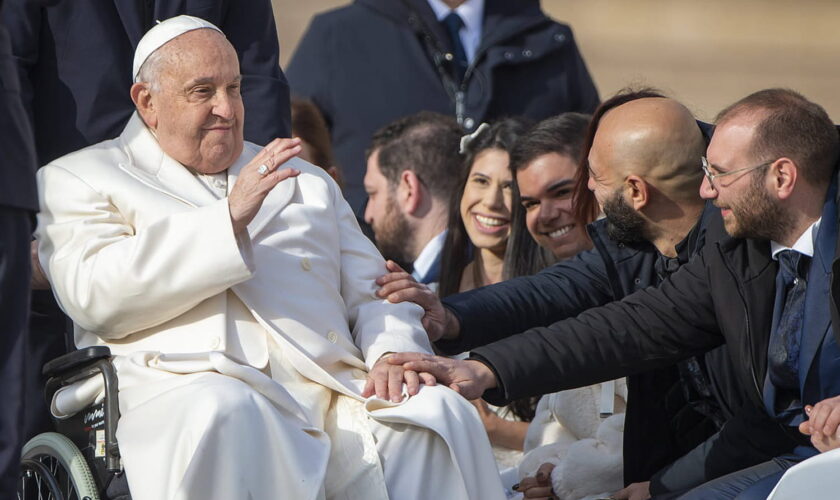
{"x":393,"y":237}
{"x":624,"y":225}
{"x":758,"y":216}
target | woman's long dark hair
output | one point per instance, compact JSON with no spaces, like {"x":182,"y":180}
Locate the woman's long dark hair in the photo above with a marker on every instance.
{"x":457,"y":249}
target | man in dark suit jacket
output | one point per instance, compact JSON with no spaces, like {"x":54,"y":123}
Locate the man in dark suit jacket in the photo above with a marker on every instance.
{"x":18,"y":203}
{"x":771,"y":169}
{"x":74,"y":60}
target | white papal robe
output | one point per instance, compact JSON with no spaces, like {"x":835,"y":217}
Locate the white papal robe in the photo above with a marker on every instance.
{"x":241,"y":360}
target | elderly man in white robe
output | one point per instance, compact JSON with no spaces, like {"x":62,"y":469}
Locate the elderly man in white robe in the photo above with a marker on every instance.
{"x":237,"y":298}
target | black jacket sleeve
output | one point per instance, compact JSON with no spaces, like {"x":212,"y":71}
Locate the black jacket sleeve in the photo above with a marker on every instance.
{"x":497,"y":311}
{"x":249,"y":26}
{"x":648,"y":329}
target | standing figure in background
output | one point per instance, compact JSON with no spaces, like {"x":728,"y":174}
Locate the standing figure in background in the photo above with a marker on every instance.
{"x":18,"y":203}
{"x":373,"y":61}
{"x":316,"y":147}
{"x":411,"y":166}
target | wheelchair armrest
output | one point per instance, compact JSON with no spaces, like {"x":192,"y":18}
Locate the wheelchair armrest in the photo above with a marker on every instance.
{"x":75,"y":360}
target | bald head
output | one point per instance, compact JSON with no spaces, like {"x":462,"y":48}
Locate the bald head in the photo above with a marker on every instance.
{"x":656,"y":139}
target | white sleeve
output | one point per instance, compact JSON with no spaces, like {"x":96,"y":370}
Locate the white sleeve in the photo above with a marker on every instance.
{"x":377,"y":325}
{"x":113,"y":280}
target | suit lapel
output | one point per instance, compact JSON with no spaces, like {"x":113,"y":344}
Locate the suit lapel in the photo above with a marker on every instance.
{"x":817,"y":314}
{"x":151,"y":166}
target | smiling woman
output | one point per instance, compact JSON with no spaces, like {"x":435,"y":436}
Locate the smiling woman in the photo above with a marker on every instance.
{"x":479,"y":211}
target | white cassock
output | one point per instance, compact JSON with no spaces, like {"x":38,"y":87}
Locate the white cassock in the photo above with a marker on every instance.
{"x":241,"y":360}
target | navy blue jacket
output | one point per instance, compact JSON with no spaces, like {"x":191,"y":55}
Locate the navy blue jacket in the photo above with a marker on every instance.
{"x":17,"y":150}
{"x":660,"y":423}
{"x":75,"y":56}
{"x":366,"y":64}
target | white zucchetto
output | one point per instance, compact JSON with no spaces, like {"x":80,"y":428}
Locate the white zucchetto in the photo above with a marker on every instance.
{"x":162,"y":33}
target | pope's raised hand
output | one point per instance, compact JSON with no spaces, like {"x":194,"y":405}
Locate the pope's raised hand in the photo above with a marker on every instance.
{"x":468,"y":377}
{"x":258,"y":178}
{"x":399,"y":286}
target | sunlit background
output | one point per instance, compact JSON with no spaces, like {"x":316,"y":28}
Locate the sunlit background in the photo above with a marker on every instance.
{"x":705,"y":53}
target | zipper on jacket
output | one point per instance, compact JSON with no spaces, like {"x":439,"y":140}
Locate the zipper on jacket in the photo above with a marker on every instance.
{"x":748,"y":328}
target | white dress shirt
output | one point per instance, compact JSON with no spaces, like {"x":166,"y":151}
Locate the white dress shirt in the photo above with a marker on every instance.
{"x":427,"y":256}
{"x":472,"y":13}
{"x":804,"y":245}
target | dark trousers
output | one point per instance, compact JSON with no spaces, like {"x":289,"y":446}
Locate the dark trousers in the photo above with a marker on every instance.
{"x":15,"y":235}
{"x":752,"y":483}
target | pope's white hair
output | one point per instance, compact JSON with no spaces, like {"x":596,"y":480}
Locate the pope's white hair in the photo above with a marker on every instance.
{"x":151,"y":69}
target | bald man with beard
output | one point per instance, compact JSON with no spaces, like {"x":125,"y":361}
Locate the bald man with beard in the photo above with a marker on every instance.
{"x":642,"y":155}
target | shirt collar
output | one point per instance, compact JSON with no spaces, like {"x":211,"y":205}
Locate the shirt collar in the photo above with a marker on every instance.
{"x":471,"y":12}
{"x":427,"y":256}
{"x":804,"y":245}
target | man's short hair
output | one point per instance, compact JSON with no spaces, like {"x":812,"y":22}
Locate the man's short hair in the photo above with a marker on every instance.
{"x":427,"y":144}
{"x":791,"y":126}
{"x":562,"y":134}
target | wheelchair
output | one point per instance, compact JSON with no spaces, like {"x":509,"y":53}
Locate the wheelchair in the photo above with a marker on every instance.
{"x":81,"y":459}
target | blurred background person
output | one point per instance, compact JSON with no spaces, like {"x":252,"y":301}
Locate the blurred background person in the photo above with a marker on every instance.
{"x":409,"y":180}
{"x":308,"y":124}
{"x":370,"y":62}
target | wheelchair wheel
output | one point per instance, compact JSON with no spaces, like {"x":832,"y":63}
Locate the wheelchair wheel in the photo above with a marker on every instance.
{"x":53,"y":468}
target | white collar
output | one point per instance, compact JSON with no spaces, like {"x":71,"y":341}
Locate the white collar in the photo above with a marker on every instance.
{"x":427,"y":256}
{"x":472,"y":13}
{"x":803,"y":245}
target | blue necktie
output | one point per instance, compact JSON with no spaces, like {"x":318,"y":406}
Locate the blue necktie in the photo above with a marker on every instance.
{"x":453,"y":24}
{"x":783,"y":351}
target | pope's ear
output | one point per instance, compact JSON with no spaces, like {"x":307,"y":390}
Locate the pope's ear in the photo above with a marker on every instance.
{"x":141,"y":95}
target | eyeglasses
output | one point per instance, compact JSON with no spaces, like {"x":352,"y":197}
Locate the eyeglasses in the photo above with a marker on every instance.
{"x":709,"y":175}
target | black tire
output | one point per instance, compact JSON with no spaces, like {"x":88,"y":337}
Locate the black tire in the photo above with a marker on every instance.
{"x":64,"y":463}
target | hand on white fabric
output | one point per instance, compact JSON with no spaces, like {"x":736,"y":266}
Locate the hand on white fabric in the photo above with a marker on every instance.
{"x":469,"y":378}
{"x":252,"y":187}
{"x":635,"y":491}
{"x":822,"y":424}
{"x":386,"y":380}
{"x":538,"y":486}
{"x":399,"y":286}
{"x":38,"y":281}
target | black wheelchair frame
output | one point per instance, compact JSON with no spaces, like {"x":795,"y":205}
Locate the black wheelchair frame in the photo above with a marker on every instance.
{"x":82,"y":468}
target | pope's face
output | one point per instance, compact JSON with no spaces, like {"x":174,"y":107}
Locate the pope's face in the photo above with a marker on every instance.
{"x":197,"y":113}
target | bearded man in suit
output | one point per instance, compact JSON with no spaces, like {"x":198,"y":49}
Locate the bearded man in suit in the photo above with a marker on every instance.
{"x":238,"y":301}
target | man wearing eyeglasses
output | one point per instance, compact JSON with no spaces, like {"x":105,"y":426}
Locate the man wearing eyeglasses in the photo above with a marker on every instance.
{"x":765,"y":290}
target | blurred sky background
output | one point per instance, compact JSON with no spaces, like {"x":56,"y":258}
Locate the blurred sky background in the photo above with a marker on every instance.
{"x":705,"y":53}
